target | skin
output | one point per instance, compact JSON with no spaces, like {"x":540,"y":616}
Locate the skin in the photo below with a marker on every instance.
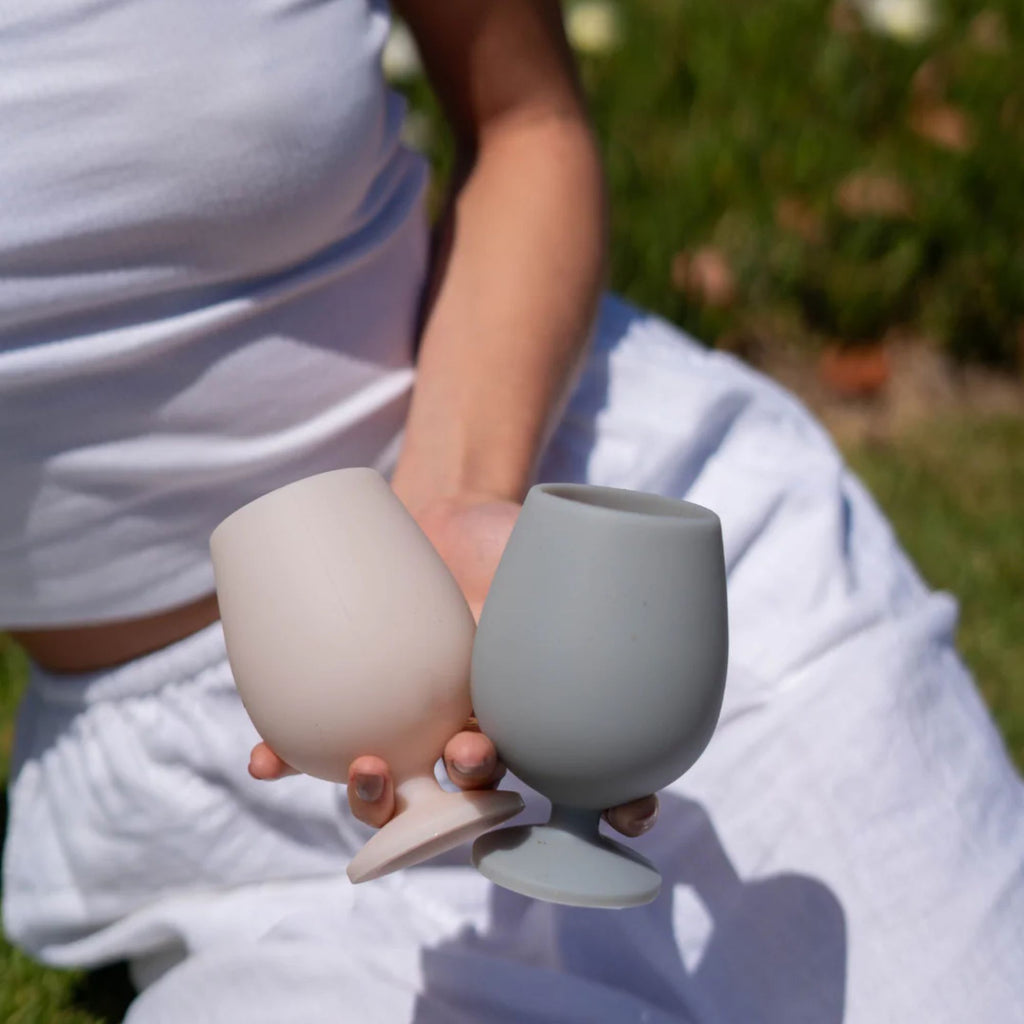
{"x":518,"y":271}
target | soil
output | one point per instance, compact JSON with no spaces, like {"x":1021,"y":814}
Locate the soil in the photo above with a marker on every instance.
{"x":895,"y":387}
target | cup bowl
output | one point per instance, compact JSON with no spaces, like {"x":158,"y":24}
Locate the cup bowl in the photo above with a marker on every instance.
{"x":605,"y":684}
{"x":345,"y":632}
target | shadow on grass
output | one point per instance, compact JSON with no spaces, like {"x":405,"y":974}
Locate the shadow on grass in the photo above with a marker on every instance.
{"x":104,"y":993}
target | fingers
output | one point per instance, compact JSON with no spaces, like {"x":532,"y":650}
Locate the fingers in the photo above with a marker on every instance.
{"x":371,"y":792}
{"x":469,"y":757}
{"x":635,"y":818}
{"x":472,"y":763}
{"x":266,"y":765}
{"x":471,"y":760}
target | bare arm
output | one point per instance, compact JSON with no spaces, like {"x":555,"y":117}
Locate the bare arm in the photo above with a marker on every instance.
{"x":521,"y":255}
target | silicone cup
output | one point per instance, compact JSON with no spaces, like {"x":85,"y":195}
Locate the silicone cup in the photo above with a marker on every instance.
{"x":347,"y":635}
{"x":598,"y":670}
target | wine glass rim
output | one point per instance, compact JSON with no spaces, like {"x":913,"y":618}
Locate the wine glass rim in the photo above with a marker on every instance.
{"x":285,"y":492}
{"x":622,"y":502}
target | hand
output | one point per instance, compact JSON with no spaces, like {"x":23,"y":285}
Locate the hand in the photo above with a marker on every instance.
{"x":471,"y":763}
{"x":470,"y":534}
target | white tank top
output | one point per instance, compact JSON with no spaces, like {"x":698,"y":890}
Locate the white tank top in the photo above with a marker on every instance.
{"x":211,"y":250}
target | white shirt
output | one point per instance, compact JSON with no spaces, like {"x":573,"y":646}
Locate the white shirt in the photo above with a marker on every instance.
{"x":211,"y":255}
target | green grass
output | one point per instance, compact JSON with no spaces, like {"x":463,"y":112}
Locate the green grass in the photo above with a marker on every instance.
{"x":30,"y":994}
{"x":739,"y":105}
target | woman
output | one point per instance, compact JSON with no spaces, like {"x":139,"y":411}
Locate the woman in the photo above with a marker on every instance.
{"x":213,"y":270}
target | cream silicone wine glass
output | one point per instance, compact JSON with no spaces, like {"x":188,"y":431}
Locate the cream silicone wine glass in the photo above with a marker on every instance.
{"x":598,"y":670}
{"x":347,"y":635}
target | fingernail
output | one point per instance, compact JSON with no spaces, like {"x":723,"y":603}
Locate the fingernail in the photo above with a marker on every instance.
{"x":644,"y":824}
{"x":471,"y":769}
{"x":369,"y":787}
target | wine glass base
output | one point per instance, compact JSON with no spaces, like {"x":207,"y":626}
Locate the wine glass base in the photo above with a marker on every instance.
{"x":560,"y":866}
{"x":433,"y":825}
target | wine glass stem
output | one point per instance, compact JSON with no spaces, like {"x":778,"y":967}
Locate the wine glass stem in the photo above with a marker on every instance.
{"x":580,"y":821}
{"x":411,"y":789}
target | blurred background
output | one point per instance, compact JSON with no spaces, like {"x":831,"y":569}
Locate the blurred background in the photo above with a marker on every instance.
{"x":831,"y":190}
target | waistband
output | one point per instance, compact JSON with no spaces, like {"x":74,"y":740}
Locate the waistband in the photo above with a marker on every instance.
{"x":184,"y":660}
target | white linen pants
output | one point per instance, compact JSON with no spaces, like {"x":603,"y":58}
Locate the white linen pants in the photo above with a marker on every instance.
{"x":850,"y":847}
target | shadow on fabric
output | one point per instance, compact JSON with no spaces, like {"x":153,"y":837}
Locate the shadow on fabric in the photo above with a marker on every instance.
{"x":713,"y":947}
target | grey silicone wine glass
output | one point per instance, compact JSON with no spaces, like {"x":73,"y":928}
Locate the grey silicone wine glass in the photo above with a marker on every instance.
{"x":598,"y":671}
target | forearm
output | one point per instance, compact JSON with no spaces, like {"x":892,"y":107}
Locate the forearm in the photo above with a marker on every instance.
{"x":510,"y":312}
